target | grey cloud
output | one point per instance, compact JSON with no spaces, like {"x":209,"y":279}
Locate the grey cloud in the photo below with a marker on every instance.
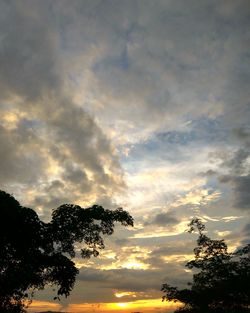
{"x":76,"y":131}
{"x":50,"y":201}
{"x":143,"y":281}
{"x":238,"y":176}
{"x":243,"y":134}
{"x":234,"y":170}
{"x":28,"y":54}
{"x":92,"y":290}
{"x":134,"y":280}
{"x":173,"y":56}
{"x":76,"y":176}
{"x":121,"y":241}
{"x":150,"y":63}
{"x":242,"y":194}
{"x":246,"y":234}
{"x":240,"y":186}
{"x":19,"y":157}
{"x":178,"y":249}
{"x":208,"y":173}
{"x":54,"y":185}
{"x":76,"y":143}
{"x":162,"y":219}
{"x":237,"y":162}
{"x":54,"y":132}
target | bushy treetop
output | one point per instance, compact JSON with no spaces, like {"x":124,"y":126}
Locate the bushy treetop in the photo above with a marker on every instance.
{"x":34,"y":253}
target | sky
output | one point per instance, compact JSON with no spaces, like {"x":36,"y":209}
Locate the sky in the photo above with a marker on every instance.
{"x":142,"y":104}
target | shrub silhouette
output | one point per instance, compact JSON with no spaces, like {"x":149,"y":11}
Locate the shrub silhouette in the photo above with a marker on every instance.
{"x":222,"y":284}
{"x":34,"y":253}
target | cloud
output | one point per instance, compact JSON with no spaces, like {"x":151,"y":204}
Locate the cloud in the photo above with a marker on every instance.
{"x":232,"y":168}
{"x":95,"y":284}
{"x":53,"y":151}
{"x":133,"y":279}
{"x":161,"y":60}
{"x":241,"y":189}
{"x":246,"y":232}
{"x":29,"y":61}
{"x":109,"y":66}
{"x":162,"y":219}
{"x":243,"y":134}
{"x":237,"y":163}
{"x":237,"y":175}
{"x":138,"y":102}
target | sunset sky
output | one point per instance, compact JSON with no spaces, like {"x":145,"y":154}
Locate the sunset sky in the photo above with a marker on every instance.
{"x":142,"y":104}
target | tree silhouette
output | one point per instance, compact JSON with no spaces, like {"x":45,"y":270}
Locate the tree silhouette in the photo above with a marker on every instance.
{"x":34,"y":253}
{"x":222,"y":283}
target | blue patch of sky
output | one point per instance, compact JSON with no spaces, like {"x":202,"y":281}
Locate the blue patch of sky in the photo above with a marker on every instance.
{"x":169,"y":145}
{"x":203,"y":131}
{"x":208,"y":130}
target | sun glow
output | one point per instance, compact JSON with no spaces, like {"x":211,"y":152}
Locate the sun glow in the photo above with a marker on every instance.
{"x":122,"y":305}
{"x":133,"y":264}
{"x":147,"y":305}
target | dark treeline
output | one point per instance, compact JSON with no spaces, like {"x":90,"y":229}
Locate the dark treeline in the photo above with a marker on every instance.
{"x":222,"y":284}
{"x":34,"y":253}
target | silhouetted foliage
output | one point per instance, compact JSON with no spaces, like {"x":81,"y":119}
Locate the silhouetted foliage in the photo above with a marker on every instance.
{"x":222,"y":283}
{"x":34,"y":253}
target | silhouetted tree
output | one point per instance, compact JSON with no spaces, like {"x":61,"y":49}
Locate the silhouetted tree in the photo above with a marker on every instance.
{"x":34,"y":253}
{"x":222,"y":284}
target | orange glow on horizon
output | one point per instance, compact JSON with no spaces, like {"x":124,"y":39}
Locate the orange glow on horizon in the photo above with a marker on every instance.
{"x":122,"y":305}
{"x":148,"y":305}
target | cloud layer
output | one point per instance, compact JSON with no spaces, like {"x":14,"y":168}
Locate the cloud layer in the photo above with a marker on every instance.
{"x":52,"y":150}
{"x":144,"y":104}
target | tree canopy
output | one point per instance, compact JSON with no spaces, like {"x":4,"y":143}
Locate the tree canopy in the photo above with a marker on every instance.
{"x":34,"y":253}
{"x":222,"y":282}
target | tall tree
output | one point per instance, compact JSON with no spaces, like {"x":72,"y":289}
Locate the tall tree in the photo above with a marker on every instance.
{"x":34,"y":253}
{"x":222,"y":281}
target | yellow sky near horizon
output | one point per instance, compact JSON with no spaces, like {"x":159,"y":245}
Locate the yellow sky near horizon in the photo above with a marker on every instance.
{"x":149,"y":306}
